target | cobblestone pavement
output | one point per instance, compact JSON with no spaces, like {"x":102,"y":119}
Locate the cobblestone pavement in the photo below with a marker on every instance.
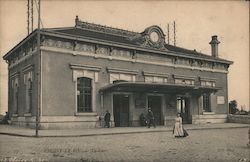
{"x":201,"y":145}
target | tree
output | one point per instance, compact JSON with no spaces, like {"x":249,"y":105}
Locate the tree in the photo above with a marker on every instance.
{"x":233,"y":107}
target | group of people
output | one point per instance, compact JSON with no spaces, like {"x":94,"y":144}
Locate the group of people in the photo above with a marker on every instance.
{"x":149,"y":120}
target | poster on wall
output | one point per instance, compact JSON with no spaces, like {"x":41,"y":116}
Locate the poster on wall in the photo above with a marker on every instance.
{"x":220,"y":100}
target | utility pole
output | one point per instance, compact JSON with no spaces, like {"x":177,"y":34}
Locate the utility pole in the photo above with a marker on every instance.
{"x":38,"y":70}
{"x":168,"y":33}
{"x":32,"y":16}
{"x":174,"y":34}
{"x":28,"y":16}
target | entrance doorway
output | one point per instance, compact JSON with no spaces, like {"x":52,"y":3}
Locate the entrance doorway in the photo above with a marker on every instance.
{"x":183,"y":108}
{"x":154,"y":102}
{"x":121,"y":110}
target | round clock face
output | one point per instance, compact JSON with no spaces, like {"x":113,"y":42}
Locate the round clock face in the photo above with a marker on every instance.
{"x":154,"y":37}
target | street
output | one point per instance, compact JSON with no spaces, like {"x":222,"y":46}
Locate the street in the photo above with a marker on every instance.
{"x":201,"y":145}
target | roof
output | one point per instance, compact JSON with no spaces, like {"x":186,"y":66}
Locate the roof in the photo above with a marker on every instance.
{"x":100,"y":33}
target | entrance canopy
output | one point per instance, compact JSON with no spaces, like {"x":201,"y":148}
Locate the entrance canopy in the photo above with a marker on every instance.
{"x":156,"y":88}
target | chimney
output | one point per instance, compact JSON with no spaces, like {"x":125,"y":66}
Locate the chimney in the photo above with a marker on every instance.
{"x":76,"y":20}
{"x":214,"y":46}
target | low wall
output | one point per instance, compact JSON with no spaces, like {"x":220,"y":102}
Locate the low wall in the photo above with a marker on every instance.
{"x":244,"y":119}
{"x":58,"y":122}
{"x":209,"y":118}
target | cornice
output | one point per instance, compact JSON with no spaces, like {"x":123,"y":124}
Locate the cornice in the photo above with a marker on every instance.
{"x":86,"y":54}
{"x":132,"y":47}
{"x":26,"y":39}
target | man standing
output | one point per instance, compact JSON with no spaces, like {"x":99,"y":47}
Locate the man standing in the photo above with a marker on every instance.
{"x":107,"y":119}
{"x":151,"y":119}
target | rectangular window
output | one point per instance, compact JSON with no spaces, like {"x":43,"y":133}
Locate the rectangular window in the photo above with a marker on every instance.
{"x":206,"y":103}
{"x":158,"y":79}
{"x":84,"y":95}
{"x":149,"y":79}
{"x":207,"y":83}
{"x":178,"y":81}
{"x":184,"y":81}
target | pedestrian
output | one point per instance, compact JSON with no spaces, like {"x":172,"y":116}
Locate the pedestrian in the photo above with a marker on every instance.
{"x":107,"y":119}
{"x":142,"y":120}
{"x":151,"y":118}
{"x":178,"y":130}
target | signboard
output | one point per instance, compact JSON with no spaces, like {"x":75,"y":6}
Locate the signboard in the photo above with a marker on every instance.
{"x":220,"y":100}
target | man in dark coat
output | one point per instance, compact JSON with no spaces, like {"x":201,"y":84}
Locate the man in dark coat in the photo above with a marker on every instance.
{"x":151,"y":118}
{"x":107,"y":119}
{"x":143,"y":120}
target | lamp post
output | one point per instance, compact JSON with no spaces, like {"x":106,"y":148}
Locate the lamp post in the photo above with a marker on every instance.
{"x":38,"y":71}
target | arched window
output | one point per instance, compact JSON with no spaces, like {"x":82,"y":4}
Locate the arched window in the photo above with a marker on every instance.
{"x":84,"y":94}
{"x":15,"y":99}
{"x":29,"y":96}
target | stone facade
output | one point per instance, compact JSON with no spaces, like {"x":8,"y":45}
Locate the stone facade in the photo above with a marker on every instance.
{"x":127,"y":73}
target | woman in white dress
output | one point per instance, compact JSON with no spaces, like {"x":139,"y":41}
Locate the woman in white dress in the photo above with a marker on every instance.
{"x":178,"y":129}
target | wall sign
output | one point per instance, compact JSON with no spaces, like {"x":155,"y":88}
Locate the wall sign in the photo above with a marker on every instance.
{"x":220,"y":100}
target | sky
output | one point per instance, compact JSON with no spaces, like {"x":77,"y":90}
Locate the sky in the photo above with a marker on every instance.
{"x":196,"y":22}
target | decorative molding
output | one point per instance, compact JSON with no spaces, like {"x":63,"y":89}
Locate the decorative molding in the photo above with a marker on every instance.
{"x":122,"y":71}
{"x":77,"y":73}
{"x":134,"y":47}
{"x":146,"y":73}
{"x":121,"y":53}
{"x":102,"y":50}
{"x":207,"y":79}
{"x":85,"y":67}
{"x":104,"y":29}
{"x":28,"y":68}
{"x":146,"y":40}
{"x":58,"y":43}
{"x":22,"y":43}
{"x":184,"y":77}
{"x":22,"y":59}
{"x":85,"y":47}
{"x":14,"y":75}
{"x":63,"y":51}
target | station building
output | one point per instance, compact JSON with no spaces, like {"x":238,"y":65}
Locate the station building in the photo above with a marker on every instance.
{"x":84,"y":70}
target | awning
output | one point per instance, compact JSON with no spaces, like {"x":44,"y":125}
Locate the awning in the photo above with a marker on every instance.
{"x":155,"y":88}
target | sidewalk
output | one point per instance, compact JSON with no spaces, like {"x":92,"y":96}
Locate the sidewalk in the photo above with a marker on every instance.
{"x":27,"y":132}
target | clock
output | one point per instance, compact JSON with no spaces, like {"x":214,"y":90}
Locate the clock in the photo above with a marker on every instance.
{"x":154,"y":37}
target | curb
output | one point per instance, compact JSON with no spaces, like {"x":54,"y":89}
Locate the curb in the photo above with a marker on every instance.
{"x":114,"y":133}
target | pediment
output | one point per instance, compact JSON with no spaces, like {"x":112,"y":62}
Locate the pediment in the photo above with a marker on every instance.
{"x":152,"y":37}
